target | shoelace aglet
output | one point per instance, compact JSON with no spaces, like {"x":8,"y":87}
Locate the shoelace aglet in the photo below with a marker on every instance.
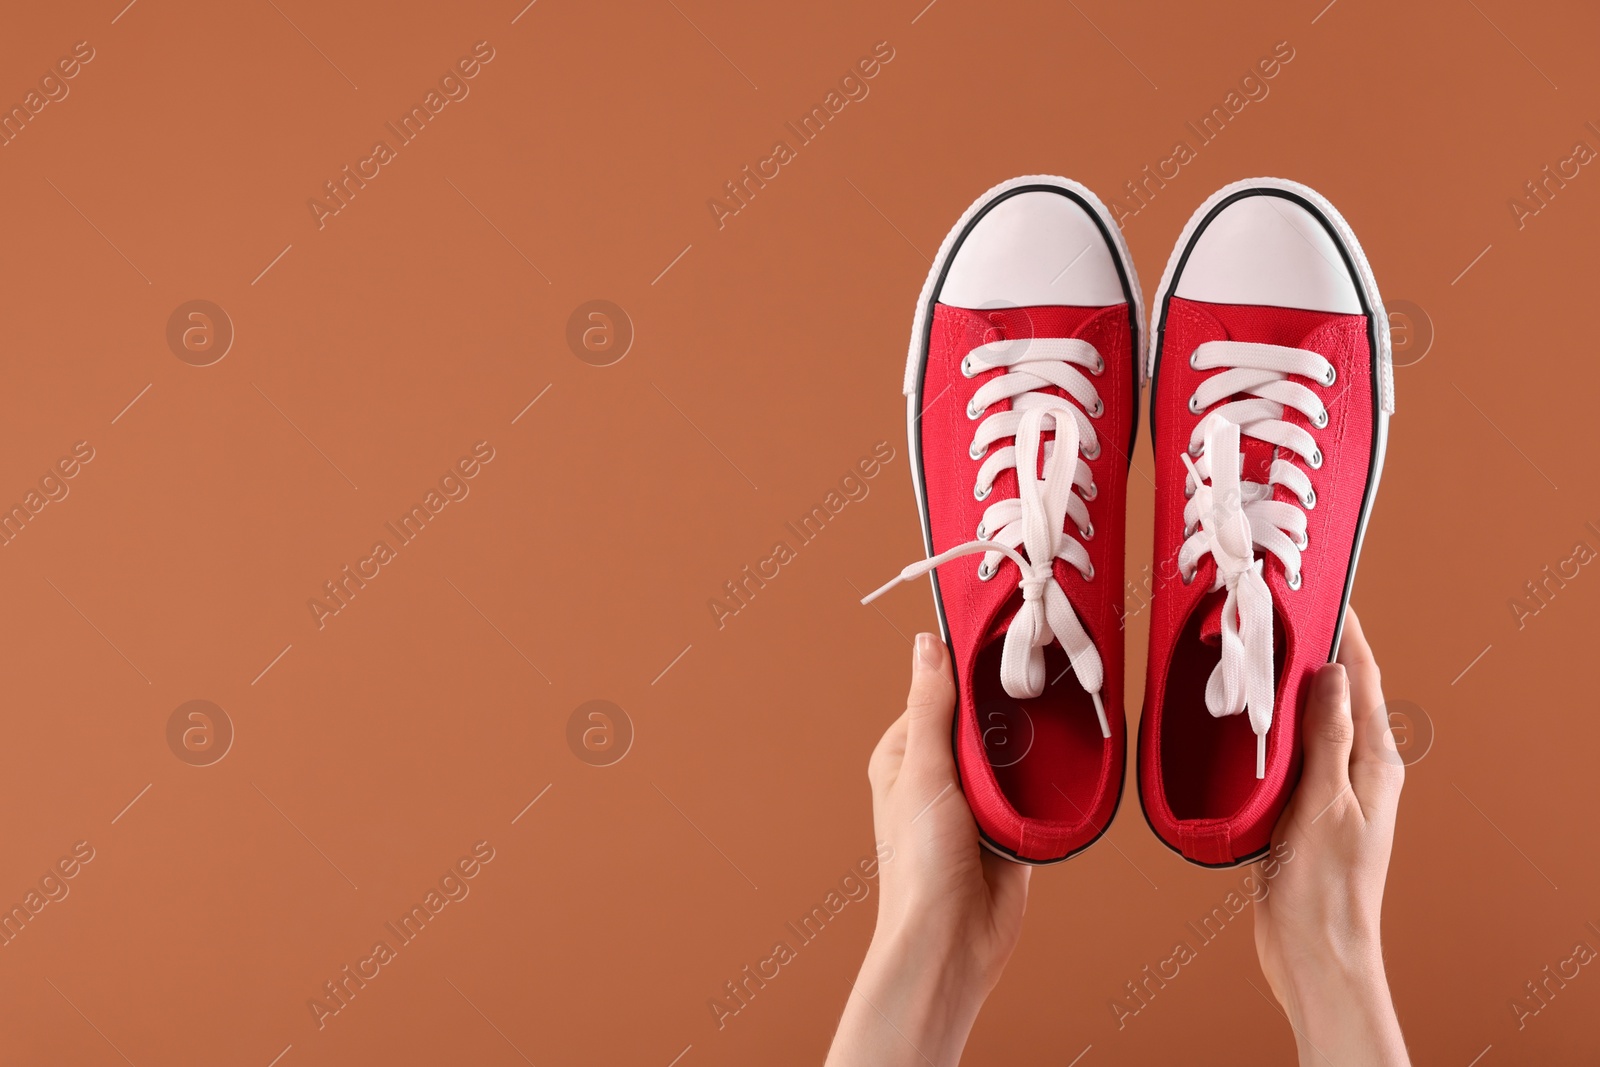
{"x":905,"y":575}
{"x":916,"y":570}
{"x":1100,"y":710}
{"x":882,"y":589}
{"x":1261,"y":755}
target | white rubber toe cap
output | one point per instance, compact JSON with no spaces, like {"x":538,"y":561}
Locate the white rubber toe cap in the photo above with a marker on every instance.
{"x":1033,"y":249}
{"x":1267,"y":250}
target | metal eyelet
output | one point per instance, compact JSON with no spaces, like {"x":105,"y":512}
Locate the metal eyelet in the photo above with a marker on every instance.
{"x":1309,"y":501}
{"x":1304,"y":542}
{"x":1090,"y":493}
{"x":1089,"y":577}
{"x":1294,"y":580}
{"x":984,"y":573}
{"x":1099,"y":367}
{"x":1087,"y":532}
{"x":1099,"y":409}
{"x":981,"y":494}
{"x":1188,"y":579}
{"x":977,"y":453}
{"x":1093,"y":453}
{"x":1188,"y":489}
{"x":1316,"y":459}
{"x":1194,"y":360}
{"x":1197,"y":450}
{"x":1194,"y":406}
{"x":1321,"y":420}
{"x":966,"y":367}
{"x":1331,"y":377}
{"x":983,"y":535}
{"x":1189,"y":528}
{"x":974,"y":413}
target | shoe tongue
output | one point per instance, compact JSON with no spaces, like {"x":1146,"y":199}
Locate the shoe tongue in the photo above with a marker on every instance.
{"x":1211,"y":617}
{"x":1000,"y":622}
{"x":1210,"y":609}
{"x":1256,"y":464}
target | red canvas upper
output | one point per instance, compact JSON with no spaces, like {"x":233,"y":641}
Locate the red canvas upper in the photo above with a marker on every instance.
{"x":1058,"y":780}
{"x":1197,"y":773}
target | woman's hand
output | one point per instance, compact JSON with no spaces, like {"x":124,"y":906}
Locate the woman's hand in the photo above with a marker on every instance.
{"x":1317,"y":929}
{"x":949,"y":912}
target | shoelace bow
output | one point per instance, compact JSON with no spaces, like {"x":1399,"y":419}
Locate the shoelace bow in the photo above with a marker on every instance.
{"x":1035,"y":519}
{"x":1229,"y":517}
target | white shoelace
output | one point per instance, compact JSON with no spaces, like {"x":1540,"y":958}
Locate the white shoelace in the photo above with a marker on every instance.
{"x":1035,"y":518}
{"x":1230,"y":517}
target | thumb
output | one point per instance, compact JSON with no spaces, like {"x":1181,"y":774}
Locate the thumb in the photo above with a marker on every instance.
{"x":930,"y":708}
{"x":1328,"y":733}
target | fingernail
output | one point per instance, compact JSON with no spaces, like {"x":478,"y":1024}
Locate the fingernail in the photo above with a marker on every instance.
{"x":927,"y":652}
{"x":1331,"y":686}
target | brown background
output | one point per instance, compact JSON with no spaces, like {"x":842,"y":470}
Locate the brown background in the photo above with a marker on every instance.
{"x":424,"y":318}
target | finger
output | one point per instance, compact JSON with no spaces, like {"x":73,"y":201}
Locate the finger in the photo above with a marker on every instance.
{"x":1376,"y":770}
{"x":884,"y":766}
{"x":1328,"y":735}
{"x":931,"y":707}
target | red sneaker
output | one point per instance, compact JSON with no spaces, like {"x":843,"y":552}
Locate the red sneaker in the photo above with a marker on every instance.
{"x":1269,"y":408}
{"x":1022,"y":384}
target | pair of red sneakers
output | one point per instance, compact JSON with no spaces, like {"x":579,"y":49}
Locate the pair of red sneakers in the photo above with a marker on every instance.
{"x":1270,"y":389}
